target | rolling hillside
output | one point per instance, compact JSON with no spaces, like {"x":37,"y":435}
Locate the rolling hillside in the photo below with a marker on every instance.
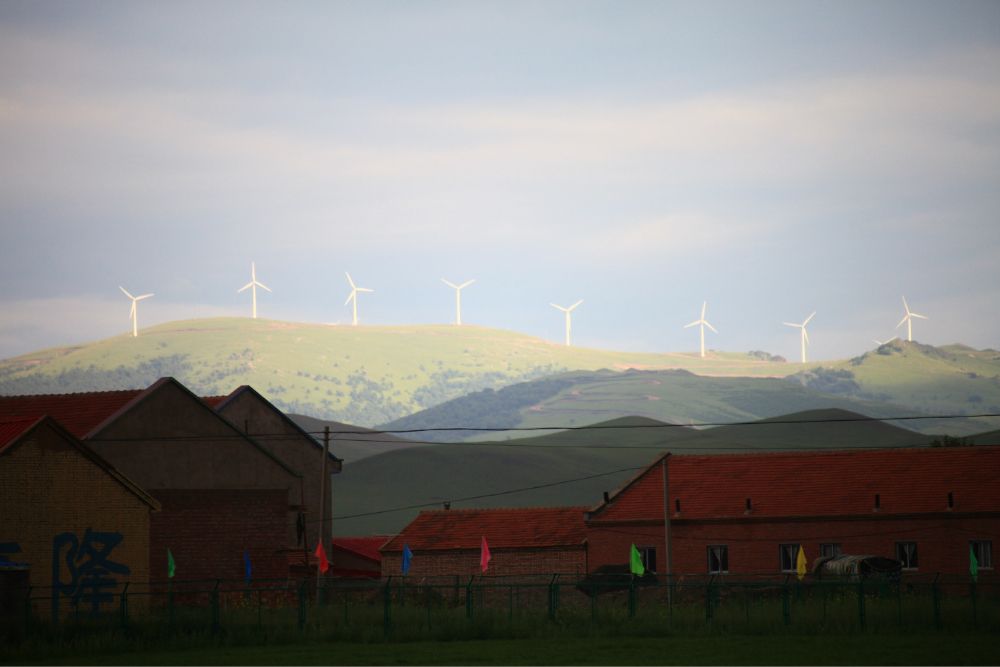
{"x":370,"y":489}
{"x":359,"y":375}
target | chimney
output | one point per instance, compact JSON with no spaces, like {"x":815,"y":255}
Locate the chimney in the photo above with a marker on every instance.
{"x":606,"y":498}
{"x":447,"y":504}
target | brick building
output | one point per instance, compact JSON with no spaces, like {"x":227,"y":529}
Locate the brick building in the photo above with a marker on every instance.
{"x":79,"y":525}
{"x":221,"y":492}
{"x":357,"y":557}
{"x":748,"y":514}
{"x":522,"y":541}
{"x":266,"y":424}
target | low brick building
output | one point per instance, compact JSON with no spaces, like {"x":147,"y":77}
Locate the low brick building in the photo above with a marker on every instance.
{"x":522,"y":541}
{"x":217,"y":486}
{"x":748,"y":514}
{"x":357,"y":557}
{"x":81,"y":527}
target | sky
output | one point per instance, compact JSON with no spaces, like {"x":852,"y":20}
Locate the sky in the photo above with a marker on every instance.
{"x":770,"y":158}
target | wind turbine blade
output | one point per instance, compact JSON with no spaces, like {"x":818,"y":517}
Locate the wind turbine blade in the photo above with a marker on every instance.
{"x":905,"y":317}
{"x":353,"y":286}
{"x":247,"y":286}
{"x":789,"y":324}
{"x":809,"y":318}
{"x":466,"y":283}
{"x":923,"y":317}
{"x":576,"y":304}
{"x":125,"y":291}
{"x":144,"y":296}
{"x":450,"y":284}
{"x":906,"y":306}
{"x":878,"y":342}
{"x":555,"y":306}
{"x":710,"y":327}
{"x":263,"y":286}
{"x":704,"y":305}
{"x":805,"y":335}
{"x":693,"y":324}
{"x":351,"y":296}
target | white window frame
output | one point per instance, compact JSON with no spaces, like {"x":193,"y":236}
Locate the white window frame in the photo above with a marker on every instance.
{"x":912,"y":555}
{"x":792,"y":550}
{"x":722,"y":556}
{"x":833,"y":549}
{"x":980,"y":547}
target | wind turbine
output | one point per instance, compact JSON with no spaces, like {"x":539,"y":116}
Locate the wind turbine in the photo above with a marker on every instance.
{"x":458,"y":297}
{"x":569,"y":321}
{"x":353,"y":296}
{"x":704,"y":323}
{"x":908,"y":318}
{"x":132,"y":314}
{"x":880,"y":343}
{"x":805,"y":336}
{"x":252,"y":286}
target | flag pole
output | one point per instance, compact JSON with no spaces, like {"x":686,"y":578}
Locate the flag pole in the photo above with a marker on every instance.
{"x":322,"y":504}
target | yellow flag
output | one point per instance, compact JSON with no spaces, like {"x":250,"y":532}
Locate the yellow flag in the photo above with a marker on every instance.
{"x":800,"y":563}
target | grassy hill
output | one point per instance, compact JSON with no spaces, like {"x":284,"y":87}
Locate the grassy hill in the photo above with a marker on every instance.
{"x":360,"y":375}
{"x":380,"y":493}
{"x":672,"y":396}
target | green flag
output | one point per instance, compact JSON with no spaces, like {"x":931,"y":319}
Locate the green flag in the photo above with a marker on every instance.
{"x":973,"y":564}
{"x":635,"y":563}
{"x":171,"y":568}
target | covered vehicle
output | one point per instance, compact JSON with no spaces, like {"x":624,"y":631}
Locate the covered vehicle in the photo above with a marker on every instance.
{"x":856,"y":567}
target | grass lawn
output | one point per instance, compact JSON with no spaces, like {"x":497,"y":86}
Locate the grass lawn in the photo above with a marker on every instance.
{"x":869,"y":649}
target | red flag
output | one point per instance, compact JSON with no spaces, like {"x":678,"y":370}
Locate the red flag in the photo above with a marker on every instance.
{"x":484,"y":555}
{"x":324,"y":564}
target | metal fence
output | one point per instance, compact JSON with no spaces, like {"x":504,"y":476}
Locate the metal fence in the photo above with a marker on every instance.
{"x":539,"y":605}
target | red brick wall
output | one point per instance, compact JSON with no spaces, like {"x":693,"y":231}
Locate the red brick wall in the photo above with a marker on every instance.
{"x":208,"y":530}
{"x":504,"y":562}
{"x":942,"y":542}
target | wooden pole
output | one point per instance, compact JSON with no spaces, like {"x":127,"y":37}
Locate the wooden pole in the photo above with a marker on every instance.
{"x":666,"y":523}
{"x":320,"y":537}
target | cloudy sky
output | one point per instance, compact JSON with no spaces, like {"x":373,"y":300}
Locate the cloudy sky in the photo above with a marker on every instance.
{"x":772,"y":158}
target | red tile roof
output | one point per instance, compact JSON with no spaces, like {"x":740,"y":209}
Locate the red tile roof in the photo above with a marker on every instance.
{"x":77,"y":413}
{"x":366,"y":547}
{"x":907,"y":480}
{"x":503,"y":528}
{"x":11,"y":429}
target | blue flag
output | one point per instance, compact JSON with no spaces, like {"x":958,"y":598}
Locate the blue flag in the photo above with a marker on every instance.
{"x":247,"y":567}
{"x":407,"y":557}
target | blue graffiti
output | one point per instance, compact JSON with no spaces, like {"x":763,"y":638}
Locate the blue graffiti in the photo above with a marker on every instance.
{"x":89,"y":567}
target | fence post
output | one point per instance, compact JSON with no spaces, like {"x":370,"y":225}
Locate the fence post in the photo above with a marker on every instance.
{"x":123,"y":606}
{"x":708,"y":599}
{"x":972,"y":597}
{"x":468,"y":598}
{"x":302,"y":605}
{"x":387,"y":608}
{"x":631,"y":597}
{"x":786,"y":602}
{"x":27,"y":610}
{"x":936,"y":601}
{"x":215,"y":607}
{"x":553,"y":597}
{"x":861,"y":604}
{"x":170,"y":605}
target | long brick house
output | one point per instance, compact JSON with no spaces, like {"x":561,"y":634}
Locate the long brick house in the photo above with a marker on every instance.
{"x":221,"y":491}
{"x":748,"y":514}
{"x":522,"y":541}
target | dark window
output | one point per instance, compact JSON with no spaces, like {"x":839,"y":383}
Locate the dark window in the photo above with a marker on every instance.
{"x":788,"y":554}
{"x":718,"y":559}
{"x":984,"y":553}
{"x":906,"y":553}
{"x":830,"y":549}
{"x":648,"y":558}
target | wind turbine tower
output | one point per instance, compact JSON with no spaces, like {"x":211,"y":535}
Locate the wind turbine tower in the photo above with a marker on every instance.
{"x":133,"y":314}
{"x":353,"y":297}
{"x":252,"y":286}
{"x":569,"y":320}
{"x":704,"y":323}
{"x":908,"y":318}
{"x":805,"y":335}
{"x":458,"y":297}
